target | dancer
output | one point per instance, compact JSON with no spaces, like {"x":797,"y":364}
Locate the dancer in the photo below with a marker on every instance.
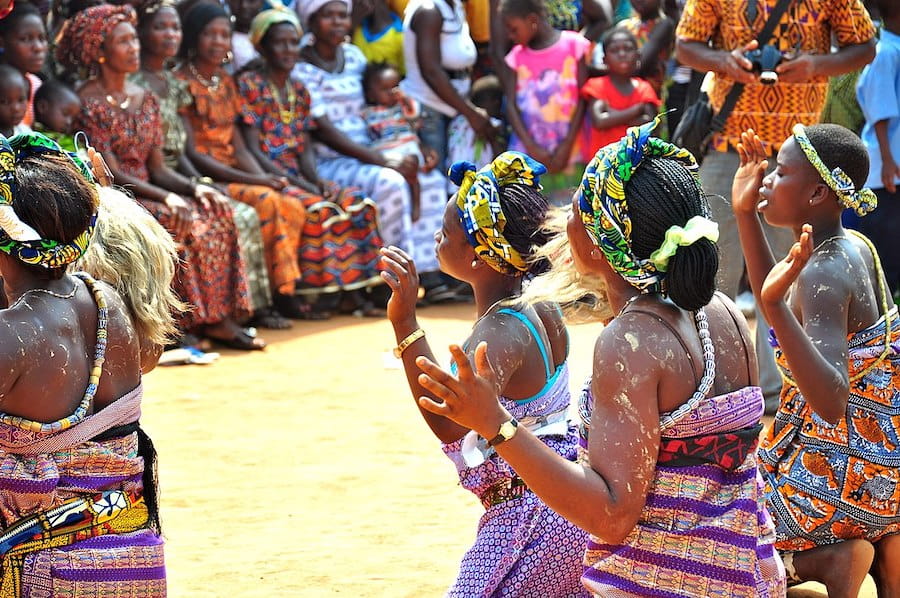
{"x":830,"y":458}
{"x":486,"y":239}
{"x":670,"y":492}
{"x":78,"y":510}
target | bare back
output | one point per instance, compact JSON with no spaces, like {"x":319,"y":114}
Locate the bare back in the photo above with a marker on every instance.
{"x":47,"y":346}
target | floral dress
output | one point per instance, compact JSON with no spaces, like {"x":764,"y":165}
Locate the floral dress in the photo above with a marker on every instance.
{"x":211,"y":275}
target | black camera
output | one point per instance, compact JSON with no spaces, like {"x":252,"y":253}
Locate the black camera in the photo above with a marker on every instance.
{"x":764,"y":61}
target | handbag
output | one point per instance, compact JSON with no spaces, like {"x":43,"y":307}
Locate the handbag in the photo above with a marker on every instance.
{"x":700,"y":121}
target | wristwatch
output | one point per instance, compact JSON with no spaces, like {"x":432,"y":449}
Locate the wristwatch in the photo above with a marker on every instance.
{"x":507,"y":431}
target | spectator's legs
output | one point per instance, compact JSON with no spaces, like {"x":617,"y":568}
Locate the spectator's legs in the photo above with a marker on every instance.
{"x":434,"y":134}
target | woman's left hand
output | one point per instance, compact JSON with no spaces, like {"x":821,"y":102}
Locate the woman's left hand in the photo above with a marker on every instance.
{"x":399,"y":272}
{"x":785,"y":272}
{"x":211,"y":199}
{"x":471,"y":397}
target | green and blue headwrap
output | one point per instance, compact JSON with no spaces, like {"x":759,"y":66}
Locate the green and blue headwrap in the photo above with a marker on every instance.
{"x":862,"y":202}
{"x":17,"y":238}
{"x":604,"y":207}
{"x":478,"y":202}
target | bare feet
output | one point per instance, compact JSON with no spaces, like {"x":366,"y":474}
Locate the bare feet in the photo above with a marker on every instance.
{"x":886,"y":569}
{"x":841,"y":567}
{"x":230,"y":334}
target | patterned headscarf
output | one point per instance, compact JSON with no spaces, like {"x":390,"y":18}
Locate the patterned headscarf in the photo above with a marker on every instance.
{"x":263,"y":22}
{"x":478,"y":202}
{"x":862,"y":202}
{"x":604,"y":207}
{"x":17,"y":238}
{"x":80,"y":43}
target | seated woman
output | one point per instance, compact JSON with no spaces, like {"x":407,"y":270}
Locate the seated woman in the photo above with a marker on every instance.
{"x":670,"y":491}
{"x":123,"y":122}
{"x":159,"y":30}
{"x":79,"y":507}
{"x":331,"y":70}
{"x":336,"y":253}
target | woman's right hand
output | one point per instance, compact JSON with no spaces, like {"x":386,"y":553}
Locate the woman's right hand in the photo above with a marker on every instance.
{"x":481,"y":124}
{"x":399,"y":272}
{"x":749,"y":176}
{"x":182,"y":216}
{"x":408,"y":166}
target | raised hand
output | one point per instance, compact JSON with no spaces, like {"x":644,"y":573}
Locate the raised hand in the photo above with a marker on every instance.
{"x":785,"y":272}
{"x":471,"y":397}
{"x":749,"y":176}
{"x":101,"y":171}
{"x":399,"y":272}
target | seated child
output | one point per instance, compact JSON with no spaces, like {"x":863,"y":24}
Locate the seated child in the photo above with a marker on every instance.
{"x":462,"y":143}
{"x":393,"y":119}
{"x":55,"y":109}
{"x":13,"y":101}
{"x":618,"y":100}
{"x":829,"y":460}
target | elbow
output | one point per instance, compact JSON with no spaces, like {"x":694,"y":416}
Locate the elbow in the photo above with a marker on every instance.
{"x":869,"y":53}
{"x":837,"y":406}
{"x":682,"y":55}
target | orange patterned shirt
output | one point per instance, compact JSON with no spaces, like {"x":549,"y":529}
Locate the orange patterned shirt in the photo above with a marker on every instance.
{"x":807,"y":25}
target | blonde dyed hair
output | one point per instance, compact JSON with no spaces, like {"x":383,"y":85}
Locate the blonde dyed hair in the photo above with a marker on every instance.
{"x":132,"y":252}
{"x":582,"y":298}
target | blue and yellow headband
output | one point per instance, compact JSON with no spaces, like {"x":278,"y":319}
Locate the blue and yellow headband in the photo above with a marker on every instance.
{"x":478,"y":202}
{"x":17,"y":238}
{"x":862,"y":202}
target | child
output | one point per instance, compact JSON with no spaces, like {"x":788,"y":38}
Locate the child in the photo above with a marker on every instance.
{"x":655,"y":35}
{"x":618,"y":100}
{"x":24,"y":42}
{"x":379,"y":34}
{"x":487,"y":238}
{"x":55,"y":109}
{"x":462,"y":143}
{"x":393,"y":119}
{"x":13,"y":101}
{"x":830,"y":458}
{"x":543,"y":102}
{"x":878,"y":92}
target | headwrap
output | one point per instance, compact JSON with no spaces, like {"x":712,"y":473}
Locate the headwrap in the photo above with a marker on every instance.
{"x":862,"y":202}
{"x":308,"y":8}
{"x":17,"y":238}
{"x":196,"y":19}
{"x":478,"y":202}
{"x":80,"y":43}
{"x":604,"y":207}
{"x":263,"y":22}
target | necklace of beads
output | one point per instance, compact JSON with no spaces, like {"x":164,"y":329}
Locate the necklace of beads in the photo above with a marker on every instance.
{"x":286,"y":114}
{"x":68,"y":295}
{"x":884,"y":309}
{"x":121,"y":105}
{"x":212,"y":84}
{"x":709,"y":369}
{"x":96,"y":368}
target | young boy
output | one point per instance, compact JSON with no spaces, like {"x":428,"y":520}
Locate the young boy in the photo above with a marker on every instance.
{"x":393,"y":119}
{"x":55,"y":109}
{"x":830,"y":458}
{"x":617,"y":100}
{"x":13,"y":101}
{"x":878,"y":92}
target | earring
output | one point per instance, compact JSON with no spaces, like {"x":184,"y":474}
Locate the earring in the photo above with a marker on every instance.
{"x":102,"y":59}
{"x":228,"y":57}
{"x":474,"y":263}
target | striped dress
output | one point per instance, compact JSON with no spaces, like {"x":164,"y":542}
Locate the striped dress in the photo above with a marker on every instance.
{"x":704,"y":530}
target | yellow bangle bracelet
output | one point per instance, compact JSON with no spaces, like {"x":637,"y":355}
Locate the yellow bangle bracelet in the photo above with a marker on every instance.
{"x":405,"y":343}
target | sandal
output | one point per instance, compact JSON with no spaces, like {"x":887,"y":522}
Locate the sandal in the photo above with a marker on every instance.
{"x":368,"y":310}
{"x":296,"y":309}
{"x":270,"y":319}
{"x":241,"y":341}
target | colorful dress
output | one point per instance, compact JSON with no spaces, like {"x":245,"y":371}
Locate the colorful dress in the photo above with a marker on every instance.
{"x":393,"y":128}
{"x":245,"y":219}
{"x":339,"y":97}
{"x":78,"y":504}
{"x":381,"y":46}
{"x":547,"y":94}
{"x":211,"y":275}
{"x":340,"y":238}
{"x":704,"y":530}
{"x":828,"y":483}
{"x":523,"y":548}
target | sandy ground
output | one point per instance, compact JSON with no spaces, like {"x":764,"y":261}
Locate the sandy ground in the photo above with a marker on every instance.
{"x":306,"y":470}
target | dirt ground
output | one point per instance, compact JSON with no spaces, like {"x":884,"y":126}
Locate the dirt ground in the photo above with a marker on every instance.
{"x":305,"y":470}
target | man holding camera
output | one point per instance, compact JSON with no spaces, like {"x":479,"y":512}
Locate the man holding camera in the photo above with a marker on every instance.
{"x":783,"y":85}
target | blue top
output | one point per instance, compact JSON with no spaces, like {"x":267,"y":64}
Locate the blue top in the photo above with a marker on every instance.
{"x":878,"y":92}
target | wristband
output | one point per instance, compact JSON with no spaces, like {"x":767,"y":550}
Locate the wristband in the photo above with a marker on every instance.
{"x":405,"y":343}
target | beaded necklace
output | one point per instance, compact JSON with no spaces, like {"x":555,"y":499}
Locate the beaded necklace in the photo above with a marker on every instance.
{"x":286,"y":115}
{"x":709,"y":369}
{"x":93,"y":380}
{"x":884,"y":309}
{"x":211,"y":84}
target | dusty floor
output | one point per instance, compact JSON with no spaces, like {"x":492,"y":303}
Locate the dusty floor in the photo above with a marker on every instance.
{"x":306,"y":470}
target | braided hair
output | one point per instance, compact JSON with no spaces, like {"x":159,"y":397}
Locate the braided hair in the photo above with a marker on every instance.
{"x":665,"y":194}
{"x":525,"y":208}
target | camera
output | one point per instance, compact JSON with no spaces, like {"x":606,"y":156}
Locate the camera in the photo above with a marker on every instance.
{"x":764,"y":61}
